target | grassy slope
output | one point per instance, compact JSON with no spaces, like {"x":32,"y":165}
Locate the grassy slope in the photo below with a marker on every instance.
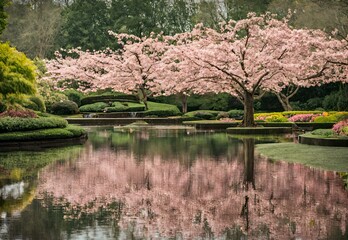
{"x":329,"y":158}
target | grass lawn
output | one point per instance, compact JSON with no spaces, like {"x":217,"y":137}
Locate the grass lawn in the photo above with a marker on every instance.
{"x":328,"y":158}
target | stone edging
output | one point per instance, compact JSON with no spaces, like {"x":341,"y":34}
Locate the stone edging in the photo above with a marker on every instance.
{"x":259,"y":130}
{"x":40,"y":144}
{"x":331,"y":142}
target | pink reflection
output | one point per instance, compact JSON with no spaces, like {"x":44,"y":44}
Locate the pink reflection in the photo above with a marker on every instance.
{"x":168,"y":197}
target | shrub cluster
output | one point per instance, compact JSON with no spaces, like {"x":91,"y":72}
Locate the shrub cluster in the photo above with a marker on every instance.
{"x":275,"y":117}
{"x":13,"y":124}
{"x":303,"y":118}
{"x":341,"y":127}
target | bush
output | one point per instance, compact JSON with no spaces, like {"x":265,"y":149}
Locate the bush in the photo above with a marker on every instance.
{"x":64,"y":108}
{"x":314,"y":103}
{"x":222,"y":115}
{"x":236,"y":114}
{"x":162,"y":110}
{"x":74,"y":96}
{"x":12,"y":124}
{"x":42,"y":134}
{"x":345,"y":130}
{"x":95,"y":107}
{"x":35,"y":103}
{"x":325,"y":119}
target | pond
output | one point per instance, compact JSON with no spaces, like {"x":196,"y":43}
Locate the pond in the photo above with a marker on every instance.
{"x":167,"y":184}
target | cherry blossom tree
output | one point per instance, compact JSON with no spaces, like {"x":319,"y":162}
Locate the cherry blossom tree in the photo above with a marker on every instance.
{"x":245,"y":58}
{"x":258,"y":54}
{"x":129,"y":69}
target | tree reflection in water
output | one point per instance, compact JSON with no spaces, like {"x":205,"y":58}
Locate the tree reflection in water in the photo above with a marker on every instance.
{"x":194,"y":185}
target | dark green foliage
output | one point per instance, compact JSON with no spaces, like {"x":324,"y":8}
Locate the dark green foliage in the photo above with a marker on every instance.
{"x":116,"y":107}
{"x":8,"y":124}
{"x":95,"y":107}
{"x":74,"y":96}
{"x":64,"y":108}
{"x":162,"y":110}
{"x":35,"y":103}
{"x":85,"y":24}
{"x":42,"y":134}
{"x":109,"y":98}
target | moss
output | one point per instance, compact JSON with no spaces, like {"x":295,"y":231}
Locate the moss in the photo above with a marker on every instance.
{"x":329,"y":158}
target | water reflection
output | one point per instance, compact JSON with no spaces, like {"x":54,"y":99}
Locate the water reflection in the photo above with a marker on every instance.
{"x":181,"y":184}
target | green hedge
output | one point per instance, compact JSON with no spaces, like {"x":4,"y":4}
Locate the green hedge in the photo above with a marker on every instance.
{"x":204,"y":114}
{"x":8,"y":124}
{"x":162,"y":110}
{"x":109,"y":98}
{"x":43,"y":134}
{"x":95,"y":107}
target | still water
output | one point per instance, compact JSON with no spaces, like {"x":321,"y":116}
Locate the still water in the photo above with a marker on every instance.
{"x":167,"y":184}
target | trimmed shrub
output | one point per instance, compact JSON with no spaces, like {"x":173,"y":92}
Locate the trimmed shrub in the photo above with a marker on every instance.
{"x":345,"y":130}
{"x":51,"y":98}
{"x":64,"y":108}
{"x":95,"y":107}
{"x":236,"y":114}
{"x":162,"y":110}
{"x":125,"y":107}
{"x":109,"y":98}
{"x":116,"y":107}
{"x":12,"y":124}
{"x":42,"y":134}
{"x":203,"y":114}
{"x":325,"y":119}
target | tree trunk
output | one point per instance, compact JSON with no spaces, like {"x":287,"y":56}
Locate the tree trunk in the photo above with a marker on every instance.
{"x":184,"y":103}
{"x":249,"y":159}
{"x":248,"y":119}
{"x":284,"y":101}
{"x":143,"y":97}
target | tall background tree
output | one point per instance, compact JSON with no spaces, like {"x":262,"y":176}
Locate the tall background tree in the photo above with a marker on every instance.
{"x":3,"y":14}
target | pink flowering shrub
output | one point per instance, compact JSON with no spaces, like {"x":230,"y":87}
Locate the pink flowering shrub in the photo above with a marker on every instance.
{"x":340,"y":127}
{"x":303,"y":117}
